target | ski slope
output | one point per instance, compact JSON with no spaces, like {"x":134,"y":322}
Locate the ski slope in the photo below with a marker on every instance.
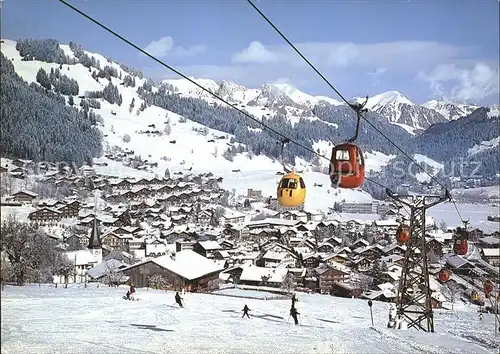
{"x":78,"y":320}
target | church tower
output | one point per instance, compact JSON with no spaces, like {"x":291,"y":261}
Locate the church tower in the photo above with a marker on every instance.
{"x":95,"y":246}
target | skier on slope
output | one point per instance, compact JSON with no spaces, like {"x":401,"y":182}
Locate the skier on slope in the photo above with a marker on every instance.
{"x":131,"y":292}
{"x":294,"y":313}
{"x":178,"y":299}
{"x":245,"y":311}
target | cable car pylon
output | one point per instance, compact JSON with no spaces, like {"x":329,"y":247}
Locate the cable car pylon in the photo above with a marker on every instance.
{"x":414,"y":294}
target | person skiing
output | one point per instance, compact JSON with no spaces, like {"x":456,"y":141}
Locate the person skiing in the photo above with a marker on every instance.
{"x":131,"y":292}
{"x":294,"y":313}
{"x":245,"y":311}
{"x":294,"y":299}
{"x":178,"y":299}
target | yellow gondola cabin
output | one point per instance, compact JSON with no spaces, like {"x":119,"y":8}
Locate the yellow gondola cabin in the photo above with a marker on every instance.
{"x":291,"y":190}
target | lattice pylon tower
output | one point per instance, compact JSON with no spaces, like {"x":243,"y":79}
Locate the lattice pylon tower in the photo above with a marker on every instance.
{"x":414,"y":293}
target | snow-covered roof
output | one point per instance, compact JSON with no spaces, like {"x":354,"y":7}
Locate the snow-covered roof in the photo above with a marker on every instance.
{"x":81,"y":257}
{"x":491,"y":252}
{"x":107,"y":266}
{"x":210,"y":245}
{"x":277,"y":256}
{"x":187,"y":264}
{"x":254,"y":273}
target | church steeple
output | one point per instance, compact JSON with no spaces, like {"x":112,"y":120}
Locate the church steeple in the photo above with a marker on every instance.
{"x":95,"y":240}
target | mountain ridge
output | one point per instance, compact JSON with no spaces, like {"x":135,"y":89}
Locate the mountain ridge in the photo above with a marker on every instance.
{"x":313,"y":121}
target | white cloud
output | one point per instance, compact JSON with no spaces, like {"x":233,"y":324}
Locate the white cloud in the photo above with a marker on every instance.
{"x":161,"y":47}
{"x":356,"y":68}
{"x":193,"y":51}
{"x":255,"y":53}
{"x":165,"y":47}
{"x":463,"y":84}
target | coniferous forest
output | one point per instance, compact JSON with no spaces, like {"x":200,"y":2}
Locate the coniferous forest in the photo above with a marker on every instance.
{"x":37,"y":124}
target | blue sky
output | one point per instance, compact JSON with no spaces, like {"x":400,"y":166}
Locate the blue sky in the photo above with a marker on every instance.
{"x":424,"y":49}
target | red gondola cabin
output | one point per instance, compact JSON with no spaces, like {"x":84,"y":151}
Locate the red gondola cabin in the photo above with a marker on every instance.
{"x":488,"y":287}
{"x":403,"y":234}
{"x":347,"y":166}
{"x":460,"y":246}
{"x":444,"y":275}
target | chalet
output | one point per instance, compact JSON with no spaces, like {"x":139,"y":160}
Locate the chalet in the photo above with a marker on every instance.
{"x":394,"y":249}
{"x":227,"y":245}
{"x":459,"y":265}
{"x":372,"y":252}
{"x":123,"y":184}
{"x":135,"y":245}
{"x":45,"y":215}
{"x":312,"y":261}
{"x":232,"y":217}
{"x":325,"y":247}
{"x":187,"y":270}
{"x":344,"y":289}
{"x":340,"y":258}
{"x":335,"y":241}
{"x":272,"y":259}
{"x":116,"y":241}
{"x":222,"y":255}
{"x":155,"y":248}
{"x":22,"y":162}
{"x":24,"y":196}
{"x":491,"y":255}
{"x":86,"y":170}
{"x":326,"y":277}
{"x":83,"y":260}
{"x":359,"y":243}
{"x":489,"y":242}
{"x":261,"y":276}
{"x":435,"y":246}
{"x":182,"y":245}
{"x":83,"y":240}
{"x":362,"y":264}
{"x":204,"y":217}
{"x":69,"y":211}
{"x":206,"y":248}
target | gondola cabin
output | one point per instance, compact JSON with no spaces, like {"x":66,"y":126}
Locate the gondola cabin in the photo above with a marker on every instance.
{"x":444,"y":275}
{"x":488,"y":287}
{"x":347,"y":166}
{"x":474,"y":295}
{"x":460,"y":246}
{"x":291,"y":190}
{"x":403,"y":234}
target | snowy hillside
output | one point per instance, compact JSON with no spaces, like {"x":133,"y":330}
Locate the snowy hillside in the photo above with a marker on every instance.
{"x":450,"y":110}
{"x":176,"y":135}
{"x":175,"y":142}
{"x":400,"y":110}
{"x":98,"y":320}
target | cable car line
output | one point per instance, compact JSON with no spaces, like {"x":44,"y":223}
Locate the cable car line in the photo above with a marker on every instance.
{"x":284,"y":139}
{"x":353,"y":106}
{"x":357,"y":108}
{"x":189,"y":79}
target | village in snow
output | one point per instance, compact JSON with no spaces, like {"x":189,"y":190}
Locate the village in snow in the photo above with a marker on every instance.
{"x":183,"y":232}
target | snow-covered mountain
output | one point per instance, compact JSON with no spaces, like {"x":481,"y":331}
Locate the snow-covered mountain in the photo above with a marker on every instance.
{"x":450,"y":110}
{"x":399,"y":110}
{"x":175,"y":141}
{"x":194,"y":131}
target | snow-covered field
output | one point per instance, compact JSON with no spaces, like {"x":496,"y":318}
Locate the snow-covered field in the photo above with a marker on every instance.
{"x":78,"y":320}
{"x":477,"y":213}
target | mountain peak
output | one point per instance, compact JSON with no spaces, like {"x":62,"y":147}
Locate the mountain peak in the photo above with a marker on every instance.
{"x":390,"y":96}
